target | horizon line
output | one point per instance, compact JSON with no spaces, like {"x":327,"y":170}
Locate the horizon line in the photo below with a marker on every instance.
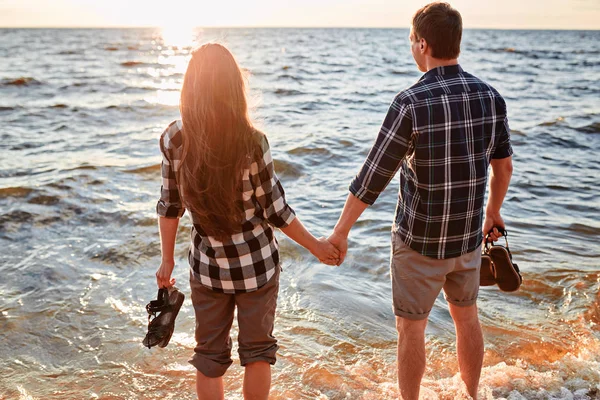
{"x":282,"y":27}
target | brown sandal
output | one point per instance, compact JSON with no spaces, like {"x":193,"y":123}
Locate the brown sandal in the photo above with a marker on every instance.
{"x":497,"y":266}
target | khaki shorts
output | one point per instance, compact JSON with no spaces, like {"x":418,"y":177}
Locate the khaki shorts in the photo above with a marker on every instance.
{"x":214,"y":317}
{"x":417,"y":280}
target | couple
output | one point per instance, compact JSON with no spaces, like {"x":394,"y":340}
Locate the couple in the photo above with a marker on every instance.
{"x":442,"y":133}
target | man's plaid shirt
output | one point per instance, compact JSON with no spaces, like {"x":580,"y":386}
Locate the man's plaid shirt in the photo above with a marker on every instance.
{"x":247,"y":260}
{"x":441,"y":133}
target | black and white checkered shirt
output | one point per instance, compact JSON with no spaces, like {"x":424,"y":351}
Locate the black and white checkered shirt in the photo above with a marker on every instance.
{"x":247,"y":260}
{"x":441,"y":133}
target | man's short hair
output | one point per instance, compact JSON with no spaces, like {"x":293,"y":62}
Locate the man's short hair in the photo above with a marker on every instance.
{"x":441,"y":26}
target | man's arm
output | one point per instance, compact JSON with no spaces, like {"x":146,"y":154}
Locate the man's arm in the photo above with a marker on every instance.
{"x":352,"y":210}
{"x":382,"y":163}
{"x":499,"y":181}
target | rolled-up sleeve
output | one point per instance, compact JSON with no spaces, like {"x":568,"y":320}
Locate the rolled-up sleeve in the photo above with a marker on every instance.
{"x":170,"y":204}
{"x":386,"y":155}
{"x":504,"y":148}
{"x":268,"y":190}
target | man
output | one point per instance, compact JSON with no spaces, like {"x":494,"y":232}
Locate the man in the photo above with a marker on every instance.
{"x":442,"y":133}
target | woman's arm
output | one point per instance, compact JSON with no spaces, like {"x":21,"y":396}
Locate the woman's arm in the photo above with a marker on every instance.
{"x":320,"y":248}
{"x":168,"y":233}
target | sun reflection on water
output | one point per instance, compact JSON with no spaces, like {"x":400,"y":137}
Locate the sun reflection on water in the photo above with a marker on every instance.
{"x":179,"y":36}
{"x":165,"y":98}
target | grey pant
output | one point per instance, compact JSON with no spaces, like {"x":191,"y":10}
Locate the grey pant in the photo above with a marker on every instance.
{"x":417,"y":280}
{"x":214,"y":317}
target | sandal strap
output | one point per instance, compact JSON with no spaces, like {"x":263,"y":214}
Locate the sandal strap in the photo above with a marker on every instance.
{"x":489,"y":244}
{"x":160,"y":304}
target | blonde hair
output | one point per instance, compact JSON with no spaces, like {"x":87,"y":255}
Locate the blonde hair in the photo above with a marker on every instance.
{"x":218,"y":140}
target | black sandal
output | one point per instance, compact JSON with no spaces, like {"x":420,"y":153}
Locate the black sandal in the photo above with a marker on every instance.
{"x":161,"y":327}
{"x":497,"y":266}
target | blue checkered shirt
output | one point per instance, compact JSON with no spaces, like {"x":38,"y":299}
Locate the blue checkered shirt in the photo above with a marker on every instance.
{"x":441,"y":133}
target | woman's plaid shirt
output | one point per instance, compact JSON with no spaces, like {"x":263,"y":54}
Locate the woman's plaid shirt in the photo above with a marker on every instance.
{"x":442,"y":134}
{"x":247,"y":260}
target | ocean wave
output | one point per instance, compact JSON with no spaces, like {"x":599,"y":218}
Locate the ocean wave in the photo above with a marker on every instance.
{"x":15,"y":217}
{"x":535,"y":54}
{"x":287,"y":92}
{"x":17,"y":191}
{"x":26,"y":146}
{"x":288,"y":76}
{"x":516,"y":132}
{"x":120,"y":107}
{"x":44,"y":200}
{"x":83,"y":167}
{"x":70,"y":52}
{"x":585,"y":229}
{"x":22,"y":81}
{"x":321,"y":151}
{"x":135,"y":89}
{"x":552,"y":123}
{"x":591,"y":128}
{"x":288,"y":168}
{"x":132,"y":63}
{"x":151,"y":169}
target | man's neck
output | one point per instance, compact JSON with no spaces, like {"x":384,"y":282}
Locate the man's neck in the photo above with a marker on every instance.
{"x":431,"y":63}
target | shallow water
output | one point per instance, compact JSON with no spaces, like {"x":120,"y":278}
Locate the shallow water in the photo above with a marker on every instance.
{"x":79,"y":179}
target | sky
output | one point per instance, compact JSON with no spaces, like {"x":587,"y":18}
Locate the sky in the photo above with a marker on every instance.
{"x":500,"y":14}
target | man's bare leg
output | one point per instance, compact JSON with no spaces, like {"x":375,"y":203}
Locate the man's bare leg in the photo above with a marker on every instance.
{"x":209,"y":388}
{"x":411,"y":356}
{"x":257,"y":380}
{"x":469,"y":345}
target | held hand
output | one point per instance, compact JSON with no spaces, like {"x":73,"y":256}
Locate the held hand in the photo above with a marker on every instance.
{"x":326,"y":252}
{"x":492,"y":220}
{"x":341,"y":243}
{"x":163,"y":275}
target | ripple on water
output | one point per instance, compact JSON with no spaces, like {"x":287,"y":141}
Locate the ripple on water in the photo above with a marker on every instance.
{"x":288,"y":92}
{"x":150,"y":169}
{"x":288,"y":168}
{"x":17,"y":191}
{"x":593,"y":128}
{"x":22,"y":81}
{"x":132,"y":63}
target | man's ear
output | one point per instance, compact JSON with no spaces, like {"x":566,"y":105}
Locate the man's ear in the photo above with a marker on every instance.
{"x":423,"y":46}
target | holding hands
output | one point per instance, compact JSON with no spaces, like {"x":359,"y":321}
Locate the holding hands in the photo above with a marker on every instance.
{"x":340,"y":242}
{"x":326,"y":252}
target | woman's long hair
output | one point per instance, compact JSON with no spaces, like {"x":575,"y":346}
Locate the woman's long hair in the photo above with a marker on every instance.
{"x":218,"y":140}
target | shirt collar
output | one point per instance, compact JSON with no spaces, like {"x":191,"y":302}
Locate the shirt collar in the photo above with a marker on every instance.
{"x":441,"y":71}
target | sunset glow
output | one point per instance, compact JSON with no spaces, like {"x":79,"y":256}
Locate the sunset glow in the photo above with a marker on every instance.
{"x":574,"y":14}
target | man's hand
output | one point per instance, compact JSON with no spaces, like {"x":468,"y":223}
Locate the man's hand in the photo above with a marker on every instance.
{"x":326,"y":252}
{"x":341,"y":243}
{"x":492,"y":220}
{"x":163,"y":275}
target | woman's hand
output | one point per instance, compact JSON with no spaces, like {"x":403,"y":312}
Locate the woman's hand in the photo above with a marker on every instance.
{"x":163,"y":275}
{"x":326,"y":252}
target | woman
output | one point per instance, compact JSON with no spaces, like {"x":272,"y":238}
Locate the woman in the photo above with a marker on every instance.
{"x":219,"y":167}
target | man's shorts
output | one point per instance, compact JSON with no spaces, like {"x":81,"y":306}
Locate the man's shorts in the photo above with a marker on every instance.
{"x":417,"y":280}
{"x":214,"y":317}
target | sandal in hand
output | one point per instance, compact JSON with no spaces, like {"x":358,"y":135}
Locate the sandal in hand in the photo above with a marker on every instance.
{"x":497,"y":267}
{"x":161,"y":326}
